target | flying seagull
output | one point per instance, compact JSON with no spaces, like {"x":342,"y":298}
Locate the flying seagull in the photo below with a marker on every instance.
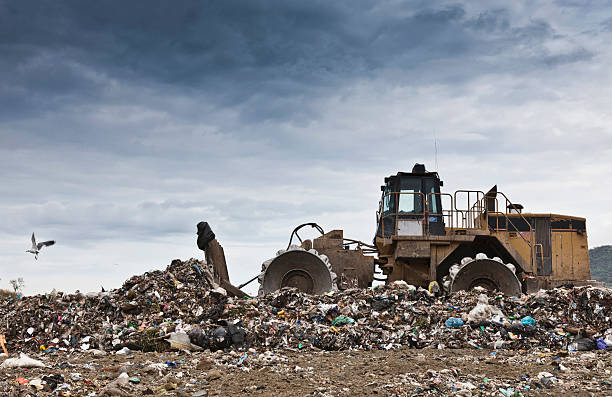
{"x":37,"y":247}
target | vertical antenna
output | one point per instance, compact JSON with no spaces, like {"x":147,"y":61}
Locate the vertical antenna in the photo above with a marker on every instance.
{"x":436,"y":150}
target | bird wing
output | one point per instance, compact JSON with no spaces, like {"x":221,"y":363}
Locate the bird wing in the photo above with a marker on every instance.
{"x":33,"y":241}
{"x":45,"y":244}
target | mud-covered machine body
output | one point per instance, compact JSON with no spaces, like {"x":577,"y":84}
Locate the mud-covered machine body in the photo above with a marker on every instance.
{"x":320,"y":265}
{"x":472,"y":238}
{"x":459,"y":241}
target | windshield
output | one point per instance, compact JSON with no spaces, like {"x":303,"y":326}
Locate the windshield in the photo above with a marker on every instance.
{"x":410,"y":201}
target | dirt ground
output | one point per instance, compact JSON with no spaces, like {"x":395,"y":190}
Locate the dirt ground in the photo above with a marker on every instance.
{"x":403,"y":372}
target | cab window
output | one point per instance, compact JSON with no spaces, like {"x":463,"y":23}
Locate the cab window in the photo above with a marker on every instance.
{"x":430,"y":187}
{"x":388,"y":201}
{"x":410,"y":201}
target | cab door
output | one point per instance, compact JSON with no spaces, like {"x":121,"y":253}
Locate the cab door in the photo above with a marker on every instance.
{"x":434,"y":214}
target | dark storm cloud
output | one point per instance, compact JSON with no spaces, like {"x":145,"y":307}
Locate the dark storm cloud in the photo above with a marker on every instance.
{"x":270,"y":60}
{"x":123,"y":124}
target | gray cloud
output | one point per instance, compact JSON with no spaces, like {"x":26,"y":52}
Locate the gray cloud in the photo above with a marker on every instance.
{"x":269,"y":60}
{"x":124,"y":124}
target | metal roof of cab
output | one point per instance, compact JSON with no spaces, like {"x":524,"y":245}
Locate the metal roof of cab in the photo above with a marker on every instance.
{"x":417,"y":170}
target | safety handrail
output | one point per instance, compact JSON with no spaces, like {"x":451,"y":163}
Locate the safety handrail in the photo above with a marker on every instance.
{"x":445,"y":214}
{"x":472,"y":209}
{"x":472,"y":217}
{"x":509,"y":205}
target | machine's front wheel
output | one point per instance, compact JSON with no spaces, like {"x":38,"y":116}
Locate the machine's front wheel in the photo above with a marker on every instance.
{"x":306,"y":270}
{"x":488,"y":273}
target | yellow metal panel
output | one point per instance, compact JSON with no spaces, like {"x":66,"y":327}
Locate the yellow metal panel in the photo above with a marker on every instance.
{"x":570,"y":254}
{"x":519,"y":244}
{"x":413,"y":249}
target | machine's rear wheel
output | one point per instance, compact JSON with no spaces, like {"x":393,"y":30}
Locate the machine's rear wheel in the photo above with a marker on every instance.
{"x":296,"y":267}
{"x":488,"y":273}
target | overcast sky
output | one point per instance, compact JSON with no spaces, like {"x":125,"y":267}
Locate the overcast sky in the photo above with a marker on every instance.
{"x":124,"y":124}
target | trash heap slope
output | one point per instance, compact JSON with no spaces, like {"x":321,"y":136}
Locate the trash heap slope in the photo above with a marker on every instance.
{"x":184,"y":305}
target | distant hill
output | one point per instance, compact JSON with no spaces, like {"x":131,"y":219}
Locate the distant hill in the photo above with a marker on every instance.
{"x":601,"y":264}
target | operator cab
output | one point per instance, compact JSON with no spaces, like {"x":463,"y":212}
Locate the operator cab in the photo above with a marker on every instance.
{"x":410,"y":204}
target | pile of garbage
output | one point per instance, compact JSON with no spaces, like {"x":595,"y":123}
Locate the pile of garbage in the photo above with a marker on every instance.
{"x":402,"y":315}
{"x":182,"y":308}
{"x":146,"y":307}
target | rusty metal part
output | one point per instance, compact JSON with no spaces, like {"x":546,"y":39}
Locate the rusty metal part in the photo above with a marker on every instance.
{"x":354,"y":269}
{"x":297,"y":229}
{"x":215,"y":257}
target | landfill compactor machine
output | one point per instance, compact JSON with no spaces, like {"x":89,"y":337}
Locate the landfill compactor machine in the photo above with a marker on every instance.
{"x":448,"y":241}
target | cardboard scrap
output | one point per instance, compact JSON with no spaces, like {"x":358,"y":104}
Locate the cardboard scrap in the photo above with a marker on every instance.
{"x":2,"y":342}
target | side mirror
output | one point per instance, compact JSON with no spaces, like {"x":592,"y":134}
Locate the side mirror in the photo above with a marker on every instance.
{"x":441,"y":183}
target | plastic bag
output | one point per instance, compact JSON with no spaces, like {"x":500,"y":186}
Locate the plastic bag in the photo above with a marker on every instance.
{"x":528,"y":320}
{"x":22,"y":362}
{"x":483,"y":311}
{"x":342,"y":320}
{"x":205,"y":235}
{"x":601,"y":344}
{"x":454,"y":322}
{"x":180,"y":341}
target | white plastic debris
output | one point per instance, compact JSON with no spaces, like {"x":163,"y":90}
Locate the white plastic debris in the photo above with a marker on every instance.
{"x":123,"y":379}
{"x":124,"y":350}
{"x":158,"y":366}
{"x":221,"y":291}
{"x":181,"y":341}
{"x":545,"y":375}
{"x":325,"y":308}
{"x":22,"y":362}
{"x":453,"y":271}
{"x":483,"y":311}
{"x":97,"y":352}
{"x":37,"y":383}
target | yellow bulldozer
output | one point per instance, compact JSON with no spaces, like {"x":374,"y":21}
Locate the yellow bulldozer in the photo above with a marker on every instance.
{"x":433,"y":239}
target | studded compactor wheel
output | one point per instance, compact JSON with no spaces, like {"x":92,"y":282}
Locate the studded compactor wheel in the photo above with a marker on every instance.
{"x":485,"y":272}
{"x":306,"y":270}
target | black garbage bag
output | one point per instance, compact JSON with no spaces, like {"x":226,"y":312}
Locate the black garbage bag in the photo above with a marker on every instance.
{"x":197,"y":337}
{"x":281,"y":300}
{"x":129,"y":344}
{"x":216,"y":306}
{"x":520,"y":329}
{"x":53,"y":380}
{"x":219,"y":339}
{"x":381,"y":304}
{"x":237,"y":334}
{"x":205,"y":235}
{"x":585,"y":344}
{"x":327,"y":342}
